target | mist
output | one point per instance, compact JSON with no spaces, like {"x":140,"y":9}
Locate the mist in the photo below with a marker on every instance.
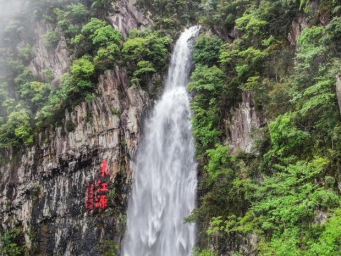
{"x":8,"y":9}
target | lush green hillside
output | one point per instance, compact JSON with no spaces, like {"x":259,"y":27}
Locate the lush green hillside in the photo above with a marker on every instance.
{"x":30,"y":103}
{"x":279,"y":192}
{"x":284,"y":195}
{"x":276,"y":193}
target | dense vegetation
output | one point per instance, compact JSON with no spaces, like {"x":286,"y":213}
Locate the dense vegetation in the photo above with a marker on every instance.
{"x":277,"y":192}
{"x":30,"y":103}
{"x":12,"y":241}
{"x":284,"y":194}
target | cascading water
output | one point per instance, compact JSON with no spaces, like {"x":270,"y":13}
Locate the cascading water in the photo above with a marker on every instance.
{"x":165,"y":179}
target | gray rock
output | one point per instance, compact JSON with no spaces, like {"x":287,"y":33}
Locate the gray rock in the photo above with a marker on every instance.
{"x":240,"y":127}
{"x":56,"y":60}
{"x":45,"y":191}
{"x":126,"y":17}
{"x":338,"y":89}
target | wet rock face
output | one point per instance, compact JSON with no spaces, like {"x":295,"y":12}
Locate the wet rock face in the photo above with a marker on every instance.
{"x":298,"y":25}
{"x":44,"y":192}
{"x":126,"y":17}
{"x":240,"y":127}
{"x":338,"y":90}
{"x":56,"y":61}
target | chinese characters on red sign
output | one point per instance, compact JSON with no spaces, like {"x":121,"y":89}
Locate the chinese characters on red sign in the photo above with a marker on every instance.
{"x":96,"y":193}
{"x":104,"y":169}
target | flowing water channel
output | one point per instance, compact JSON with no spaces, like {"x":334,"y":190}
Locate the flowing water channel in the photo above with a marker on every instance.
{"x":165,"y":178}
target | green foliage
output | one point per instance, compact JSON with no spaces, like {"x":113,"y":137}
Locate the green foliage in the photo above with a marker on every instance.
{"x":102,"y":41}
{"x":12,"y":240}
{"x":14,"y":68}
{"x":4,"y":95}
{"x":221,"y":12}
{"x":143,"y":71}
{"x":80,"y":82}
{"x":207,"y":50}
{"x":51,"y":39}
{"x":318,"y":96}
{"x":314,"y":96}
{"x":101,"y":33}
{"x":36,"y":92}
{"x":207,"y":82}
{"x":224,"y":183}
{"x":218,"y":159}
{"x":329,"y":241}
{"x":52,"y":112}
{"x":26,"y":53}
{"x":109,"y":248}
{"x":28,"y":102}
{"x":182,"y":10}
{"x":70,"y":19}
{"x":106,"y":56}
{"x":25,"y":77}
{"x":17,"y":129}
{"x":310,"y":49}
{"x":279,"y":99}
{"x":101,"y":7}
{"x":278,"y":193}
{"x":251,"y":23}
{"x":146,"y":52}
{"x":208,"y":252}
{"x":105,"y":35}
{"x":283,"y":208}
{"x":289,"y":200}
{"x":286,"y":139}
{"x":83,"y":68}
{"x":77,"y":13}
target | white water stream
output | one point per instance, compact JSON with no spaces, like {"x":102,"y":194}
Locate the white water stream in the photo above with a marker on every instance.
{"x":165,"y":178}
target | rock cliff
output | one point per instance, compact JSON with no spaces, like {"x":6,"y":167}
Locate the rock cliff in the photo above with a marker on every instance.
{"x":338,"y":90}
{"x":241,"y":127}
{"x":126,"y":16}
{"x":45,"y":192}
{"x":56,"y":61}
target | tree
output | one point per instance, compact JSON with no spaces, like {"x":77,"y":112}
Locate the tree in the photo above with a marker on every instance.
{"x":207,"y":50}
{"x":17,"y":129}
{"x":147,"y":53}
{"x":207,"y":83}
{"x":83,"y":68}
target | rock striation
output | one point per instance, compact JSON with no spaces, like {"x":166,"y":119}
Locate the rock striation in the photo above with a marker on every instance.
{"x":44,"y":191}
{"x":126,"y":17}
{"x":338,"y":90}
{"x":56,"y":61}
{"x":242,"y":125}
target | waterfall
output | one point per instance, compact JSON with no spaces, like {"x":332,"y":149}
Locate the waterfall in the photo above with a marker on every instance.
{"x":165,"y":178}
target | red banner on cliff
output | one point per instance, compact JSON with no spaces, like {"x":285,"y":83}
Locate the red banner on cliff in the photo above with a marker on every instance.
{"x":96,"y":193}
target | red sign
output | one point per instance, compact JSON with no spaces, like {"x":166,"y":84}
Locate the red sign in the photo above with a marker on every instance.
{"x":104,"y":169}
{"x":102,"y":186}
{"x":102,"y":202}
{"x":96,"y":193}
